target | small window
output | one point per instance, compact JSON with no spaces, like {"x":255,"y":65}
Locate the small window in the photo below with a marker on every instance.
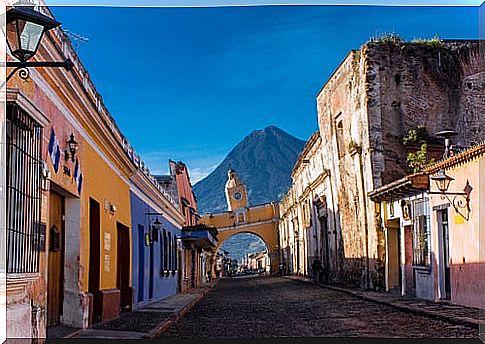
{"x":340,"y":139}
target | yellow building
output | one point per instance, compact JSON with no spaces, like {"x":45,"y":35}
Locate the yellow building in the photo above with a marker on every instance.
{"x":69,"y":229}
{"x":261,"y":220}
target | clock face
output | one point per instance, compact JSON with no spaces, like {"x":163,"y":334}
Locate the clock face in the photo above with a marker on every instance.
{"x":237,"y":195}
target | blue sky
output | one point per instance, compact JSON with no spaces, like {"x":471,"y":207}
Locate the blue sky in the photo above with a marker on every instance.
{"x":190,"y":83}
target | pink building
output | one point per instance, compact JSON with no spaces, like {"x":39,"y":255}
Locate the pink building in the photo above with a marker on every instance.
{"x":431,"y":220}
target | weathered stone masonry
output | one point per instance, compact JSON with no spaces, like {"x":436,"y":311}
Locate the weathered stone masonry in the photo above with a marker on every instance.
{"x":374,"y":97}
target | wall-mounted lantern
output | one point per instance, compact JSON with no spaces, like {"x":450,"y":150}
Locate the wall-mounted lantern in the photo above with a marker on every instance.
{"x":154,"y":228}
{"x":24,"y":30}
{"x":460,"y":201}
{"x":72,"y":147}
{"x":442,"y":180}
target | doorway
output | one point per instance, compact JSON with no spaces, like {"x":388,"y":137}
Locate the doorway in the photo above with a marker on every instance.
{"x":55,"y":284}
{"x":393,"y":256}
{"x":325,"y":245}
{"x":94,"y":258}
{"x":141,"y":262}
{"x":445,"y":248}
{"x":123,"y":265}
{"x":151,"y":273}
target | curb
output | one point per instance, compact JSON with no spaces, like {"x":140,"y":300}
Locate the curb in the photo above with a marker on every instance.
{"x":164,"y":326}
{"x":172,"y":319}
{"x":72,"y":334}
{"x":456,"y":321}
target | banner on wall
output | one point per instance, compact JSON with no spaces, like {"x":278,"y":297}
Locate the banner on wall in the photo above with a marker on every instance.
{"x":54,"y":150}
{"x":78,"y":176}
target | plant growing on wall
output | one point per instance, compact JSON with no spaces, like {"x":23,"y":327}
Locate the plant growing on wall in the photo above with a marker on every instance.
{"x":417,"y":160}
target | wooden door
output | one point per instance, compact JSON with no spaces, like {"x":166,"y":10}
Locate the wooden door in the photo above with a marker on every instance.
{"x":94,"y":258}
{"x":55,"y":277}
{"x":394,"y":266}
{"x":123,"y":266}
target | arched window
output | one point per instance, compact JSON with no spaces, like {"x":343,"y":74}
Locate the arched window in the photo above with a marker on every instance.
{"x":340,"y":139}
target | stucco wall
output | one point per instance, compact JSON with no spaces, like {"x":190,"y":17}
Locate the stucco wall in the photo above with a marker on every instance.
{"x":465,"y":236}
{"x":163,"y":286}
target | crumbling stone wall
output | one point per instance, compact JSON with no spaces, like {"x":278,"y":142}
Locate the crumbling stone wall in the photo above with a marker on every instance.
{"x":373,"y":98}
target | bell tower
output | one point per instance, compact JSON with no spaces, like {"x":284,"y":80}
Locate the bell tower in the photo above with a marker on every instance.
{"x":236,"y":194}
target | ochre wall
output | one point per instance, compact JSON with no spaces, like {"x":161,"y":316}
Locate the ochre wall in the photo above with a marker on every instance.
{"x":103,"y":185}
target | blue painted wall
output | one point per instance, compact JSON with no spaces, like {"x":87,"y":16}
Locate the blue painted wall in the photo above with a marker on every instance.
{"x":163,"y":286}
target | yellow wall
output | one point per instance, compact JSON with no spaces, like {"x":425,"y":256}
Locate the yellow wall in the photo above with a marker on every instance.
{"x":254,"y":214}
{"x":103,"y":185}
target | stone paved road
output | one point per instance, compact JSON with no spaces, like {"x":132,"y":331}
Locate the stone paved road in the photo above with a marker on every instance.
{"x":278,"y":307}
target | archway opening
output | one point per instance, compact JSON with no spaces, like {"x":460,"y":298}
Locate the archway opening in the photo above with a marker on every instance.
{"x":243,"y":254}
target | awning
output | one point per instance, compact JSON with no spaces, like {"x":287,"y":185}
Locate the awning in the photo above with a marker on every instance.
{"x":404,"y":187}
{"x":200,"y":236}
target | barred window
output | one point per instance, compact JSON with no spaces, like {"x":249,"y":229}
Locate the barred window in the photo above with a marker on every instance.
{"x":24,"y":193}
{"x":421,"y":232}
{"x":169,"y":244}
{"x":175,"y":254}
{"x":165,"y":251}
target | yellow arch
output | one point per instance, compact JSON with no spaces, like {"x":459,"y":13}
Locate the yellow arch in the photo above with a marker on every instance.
{"x":261,"y":220}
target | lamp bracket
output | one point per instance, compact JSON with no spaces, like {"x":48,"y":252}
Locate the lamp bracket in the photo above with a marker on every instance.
{"x":460,"y":202}
{"x":447,"y":193}
{"x":22,"y":67}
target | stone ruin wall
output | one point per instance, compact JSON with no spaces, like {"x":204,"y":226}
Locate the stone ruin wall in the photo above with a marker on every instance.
{"x":381,"y":91}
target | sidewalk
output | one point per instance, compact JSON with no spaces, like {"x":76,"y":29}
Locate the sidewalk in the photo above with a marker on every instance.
{"x":456,"y":314}
{"x":149,"y":321}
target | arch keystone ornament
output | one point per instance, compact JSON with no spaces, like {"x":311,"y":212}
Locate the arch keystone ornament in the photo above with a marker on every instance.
{"x":260,"y":220}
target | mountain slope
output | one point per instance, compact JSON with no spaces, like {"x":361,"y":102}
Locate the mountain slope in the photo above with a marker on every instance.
{"x":263,"y":160}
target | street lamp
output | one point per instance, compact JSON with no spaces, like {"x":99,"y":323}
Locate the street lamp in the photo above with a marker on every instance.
{"x":461,"y":200}
{"x":72,"y":147}
{"x":442,"y":180}
{"x":154,"y":227}
{"x":24,"y":30}
{"x":446,"y":134}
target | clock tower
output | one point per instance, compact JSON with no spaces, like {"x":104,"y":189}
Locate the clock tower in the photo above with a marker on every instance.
{"x":236,"y":194}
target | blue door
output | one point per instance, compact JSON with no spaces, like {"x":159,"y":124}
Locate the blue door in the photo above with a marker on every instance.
{"x":141,"y":261}
{"x":150,"y":285}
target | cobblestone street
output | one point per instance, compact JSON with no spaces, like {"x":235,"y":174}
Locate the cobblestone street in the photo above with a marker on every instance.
{"x":279,"y":307}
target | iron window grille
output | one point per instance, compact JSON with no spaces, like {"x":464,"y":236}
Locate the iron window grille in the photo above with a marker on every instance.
{"x":169,"y":253}
{"x":421,"y":254}
{"x":24,"y":191}
{"x":175,"y":255}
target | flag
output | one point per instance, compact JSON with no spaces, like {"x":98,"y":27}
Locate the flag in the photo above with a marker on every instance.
{"x":54,"y":150}
{"x":78,"y":176}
